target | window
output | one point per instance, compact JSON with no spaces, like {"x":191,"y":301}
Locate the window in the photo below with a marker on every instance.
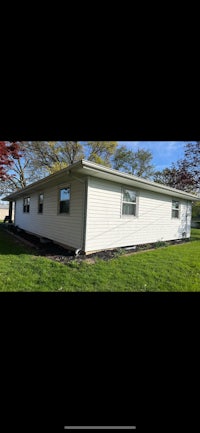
{"x":175,"y":209}
{"x":26,"y":204}
{"x":64,"y":199}
{"x":129,"y":202}
{"x":40,"y":203}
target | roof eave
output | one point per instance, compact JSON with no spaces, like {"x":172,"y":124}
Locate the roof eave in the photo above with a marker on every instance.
{"x":97,"y":168}
{"x":42,"y":182}
{"x":154,"y":186}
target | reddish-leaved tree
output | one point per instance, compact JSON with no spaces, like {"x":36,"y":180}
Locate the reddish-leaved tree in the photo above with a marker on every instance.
{"x":192,"y":161}
{"x":8,"y":152}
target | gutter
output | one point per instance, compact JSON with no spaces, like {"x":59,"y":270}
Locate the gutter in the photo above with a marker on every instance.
{"x":98,"y":167}
{"x":41,"y":182}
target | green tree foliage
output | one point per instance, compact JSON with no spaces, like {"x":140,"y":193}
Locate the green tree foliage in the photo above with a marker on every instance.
{"x":101,"y":151}
{"x":137,"y":162}
{"x":122,"y":158}
{"x":54,"y":155}
{"x":196,"y":210}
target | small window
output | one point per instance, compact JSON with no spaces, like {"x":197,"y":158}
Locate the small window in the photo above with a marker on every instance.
{"x":129,"y":202}
{"x":26,"y":204}
{"x":64,"y":199}
{"x":175,"y":209}
{"x":40,"y":203}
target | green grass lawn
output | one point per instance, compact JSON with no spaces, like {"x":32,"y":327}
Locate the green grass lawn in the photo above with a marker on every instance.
{"x":172,"y":268}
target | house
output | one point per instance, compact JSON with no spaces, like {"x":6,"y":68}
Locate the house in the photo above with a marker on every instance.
{"x":4,"y":209}
{"x":90,"y":207}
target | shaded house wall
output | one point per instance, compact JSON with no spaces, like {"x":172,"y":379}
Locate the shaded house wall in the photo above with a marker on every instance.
{"x":66,"y":229}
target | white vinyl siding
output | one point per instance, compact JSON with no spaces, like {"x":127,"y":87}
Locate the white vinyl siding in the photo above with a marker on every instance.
{"x":66,"y":229}
{"x":107,"y":229}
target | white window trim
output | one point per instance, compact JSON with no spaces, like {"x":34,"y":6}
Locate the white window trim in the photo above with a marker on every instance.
{"x":58,"y":208}
{"x":136,"y":202}
{"x":24,"y":198}
{"x":179,"y":209}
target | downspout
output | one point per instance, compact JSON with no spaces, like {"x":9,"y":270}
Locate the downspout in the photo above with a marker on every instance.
{"x":85,"y":215}
{"x":15,"y":213}
{"x":187,"y":215}
{"x":189,"y":206}
{"x":186,"y":220}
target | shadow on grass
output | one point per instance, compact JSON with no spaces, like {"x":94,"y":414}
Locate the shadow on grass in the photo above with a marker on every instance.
{"x":26,"y":243}
{"x":194,"y":238}
{"x":10,"y":245}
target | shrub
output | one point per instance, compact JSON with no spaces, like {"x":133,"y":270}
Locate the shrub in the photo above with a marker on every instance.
{"x":159,"y":244}
{"x":119,"y":252}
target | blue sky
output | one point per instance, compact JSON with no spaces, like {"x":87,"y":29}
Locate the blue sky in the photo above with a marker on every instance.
{"x":164,"y":152}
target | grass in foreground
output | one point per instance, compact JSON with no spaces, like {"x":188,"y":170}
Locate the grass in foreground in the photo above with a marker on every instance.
{"x":172,"y":268}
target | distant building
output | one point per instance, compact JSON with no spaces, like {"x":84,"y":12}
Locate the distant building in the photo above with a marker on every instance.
{"x":4,"y":210}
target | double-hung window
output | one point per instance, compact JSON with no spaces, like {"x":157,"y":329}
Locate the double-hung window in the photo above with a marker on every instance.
{"x":175,"y":209}
{"x":64,"y":200}
{"x":40,"y":203}
{"x":128,"y":202}
{"x":26,"y":204}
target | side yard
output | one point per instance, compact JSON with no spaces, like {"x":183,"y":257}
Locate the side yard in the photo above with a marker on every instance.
{"x":171,"y":268}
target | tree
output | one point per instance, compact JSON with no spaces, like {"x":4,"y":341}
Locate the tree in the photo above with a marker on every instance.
{"x":54,"y":155}
{"x":41,"y":158}
{"x":100,"y":151}
{"x":122,"y":158}
{"x":185,"y":173}
{"x":177,"y":177}
{"x":192,"y":161}
{"x":9,"y":152}
{"x":167,"y":176}
{"x":21,"y":172}
{"x":137,"y":162}
{"x":196,"y":210}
